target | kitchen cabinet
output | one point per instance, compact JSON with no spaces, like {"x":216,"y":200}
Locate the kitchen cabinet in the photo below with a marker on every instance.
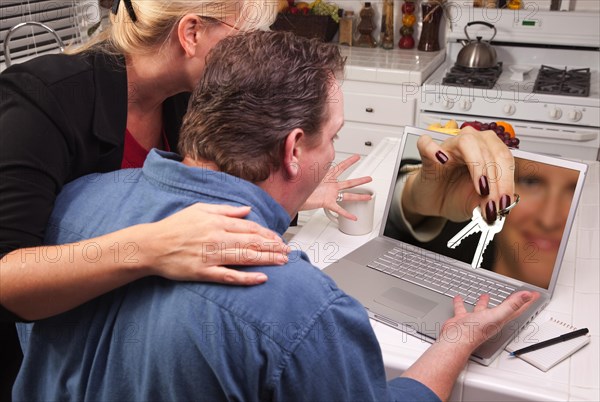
{"x":373,"y":111}
{"x":381,"y":95}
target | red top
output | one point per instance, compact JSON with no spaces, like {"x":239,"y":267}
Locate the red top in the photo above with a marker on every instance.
{"x":134,"y":154}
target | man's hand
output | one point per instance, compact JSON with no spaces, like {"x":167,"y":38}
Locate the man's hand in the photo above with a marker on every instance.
{"x":439,"y":367}
{"x":326,"y":193}
{"x":474,"y":328}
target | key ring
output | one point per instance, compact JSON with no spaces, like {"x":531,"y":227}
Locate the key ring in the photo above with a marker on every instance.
{"x":503,"y":212}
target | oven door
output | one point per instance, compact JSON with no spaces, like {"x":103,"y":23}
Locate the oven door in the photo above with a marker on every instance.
{"x":565,"y":141}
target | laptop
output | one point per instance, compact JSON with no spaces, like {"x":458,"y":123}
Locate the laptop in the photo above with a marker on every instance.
{"x":409,"y":284}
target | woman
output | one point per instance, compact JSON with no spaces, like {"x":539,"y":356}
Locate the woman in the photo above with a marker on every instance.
{"x":102,"y":108}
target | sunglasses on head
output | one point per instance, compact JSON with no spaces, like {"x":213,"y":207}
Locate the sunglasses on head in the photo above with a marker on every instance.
{"x":215,"y":21}
{"x":128,"y":7}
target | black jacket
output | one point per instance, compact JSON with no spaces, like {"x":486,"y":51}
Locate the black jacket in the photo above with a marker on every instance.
{"x":61,"y":117}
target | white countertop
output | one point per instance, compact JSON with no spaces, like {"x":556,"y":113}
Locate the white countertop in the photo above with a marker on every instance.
{"x":576,"y":300}
{"x":393,"y":66}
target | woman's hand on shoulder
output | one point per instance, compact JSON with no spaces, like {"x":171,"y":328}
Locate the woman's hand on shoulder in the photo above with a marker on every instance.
{"x":197,"y":242}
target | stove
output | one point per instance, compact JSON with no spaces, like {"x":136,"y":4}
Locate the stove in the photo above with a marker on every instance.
{"x":549,"y":93}
{"x":473,"y":77}
{"x":575,"y":82}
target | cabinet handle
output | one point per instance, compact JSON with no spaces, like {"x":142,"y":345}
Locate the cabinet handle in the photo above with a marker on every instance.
{"x":369,"y":110}
{"x":368,"y":143}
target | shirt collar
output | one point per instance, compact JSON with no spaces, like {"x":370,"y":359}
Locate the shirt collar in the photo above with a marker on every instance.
{"x":166,"y":170}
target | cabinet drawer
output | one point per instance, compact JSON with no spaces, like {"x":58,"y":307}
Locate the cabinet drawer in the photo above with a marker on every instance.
{"x":360,"y":138}
{"x":379,"y":109}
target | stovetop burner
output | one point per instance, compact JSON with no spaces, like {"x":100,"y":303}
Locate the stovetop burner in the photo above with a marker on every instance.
{"x":473,"y":77}
{"x":555,"y":81}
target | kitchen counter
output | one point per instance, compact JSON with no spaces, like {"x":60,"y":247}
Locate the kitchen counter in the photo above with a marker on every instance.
{"x":576,"y":299}
{"x":394,"y":66}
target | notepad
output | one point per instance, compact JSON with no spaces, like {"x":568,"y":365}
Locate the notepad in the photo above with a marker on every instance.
{"x":548,"y":357}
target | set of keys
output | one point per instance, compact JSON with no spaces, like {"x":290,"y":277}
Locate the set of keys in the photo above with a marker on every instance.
{"x":488,"y":231}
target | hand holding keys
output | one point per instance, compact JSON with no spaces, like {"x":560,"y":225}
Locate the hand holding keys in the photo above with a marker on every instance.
{"x":488,"y":231}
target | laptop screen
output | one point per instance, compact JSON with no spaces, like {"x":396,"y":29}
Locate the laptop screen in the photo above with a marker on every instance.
{"x":531,"y":245}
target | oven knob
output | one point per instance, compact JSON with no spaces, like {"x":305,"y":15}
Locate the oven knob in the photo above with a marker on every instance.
{"x":575,"y":115}
{"x":465,"y":105}
{"x":555,"y":113}
{"x":447,"y":104}
{"x":509,"y":109}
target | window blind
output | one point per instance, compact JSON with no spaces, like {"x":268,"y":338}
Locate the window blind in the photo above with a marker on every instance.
{"x":64,"y":16}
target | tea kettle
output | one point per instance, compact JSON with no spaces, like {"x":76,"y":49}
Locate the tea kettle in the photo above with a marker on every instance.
{"x":477,"y":54}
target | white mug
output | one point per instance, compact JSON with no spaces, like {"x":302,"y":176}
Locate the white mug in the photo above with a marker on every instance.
{"x":363,"y":210}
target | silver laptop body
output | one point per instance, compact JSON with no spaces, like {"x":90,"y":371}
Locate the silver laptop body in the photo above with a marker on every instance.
{"x":408,"y":301}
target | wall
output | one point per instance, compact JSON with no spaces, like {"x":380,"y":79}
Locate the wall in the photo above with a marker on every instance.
{"x":585,"y":5}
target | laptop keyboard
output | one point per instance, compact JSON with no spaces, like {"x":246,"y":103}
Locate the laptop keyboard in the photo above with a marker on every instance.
{"x":440,"y":277}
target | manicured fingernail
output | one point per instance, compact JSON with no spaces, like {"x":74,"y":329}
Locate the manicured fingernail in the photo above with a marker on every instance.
{"x":441,"y":157}
{"x":484,"y":187}
{"x":504,"y":201}
{"x":490,"y":211}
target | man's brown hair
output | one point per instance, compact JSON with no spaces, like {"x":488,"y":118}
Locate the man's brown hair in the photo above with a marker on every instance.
{"x":256,"y":88}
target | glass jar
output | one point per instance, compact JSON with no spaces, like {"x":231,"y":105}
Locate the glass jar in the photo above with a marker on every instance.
{"x":430,"y":32}
{"x":387,"y":25}
{"x":347,"y":24}
{"x":365,"y":27}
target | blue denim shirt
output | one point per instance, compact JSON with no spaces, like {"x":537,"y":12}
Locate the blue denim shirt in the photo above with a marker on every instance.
{"x":297,"y":337}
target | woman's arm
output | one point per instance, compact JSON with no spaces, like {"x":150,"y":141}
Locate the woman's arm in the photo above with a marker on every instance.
{"x":193,"y":244}
{"x":45,"y":141}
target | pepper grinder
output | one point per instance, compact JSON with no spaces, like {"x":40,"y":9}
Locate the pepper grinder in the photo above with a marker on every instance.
{"x":432,"y":17}
{"x":366,"y":27}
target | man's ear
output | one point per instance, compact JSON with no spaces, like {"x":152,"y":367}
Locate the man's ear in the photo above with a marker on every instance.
{"x":292,"y":153}
{"x":188,"y":31}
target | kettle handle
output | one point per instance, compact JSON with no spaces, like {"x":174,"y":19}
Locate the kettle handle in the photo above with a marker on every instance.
{"x":487,"y":24}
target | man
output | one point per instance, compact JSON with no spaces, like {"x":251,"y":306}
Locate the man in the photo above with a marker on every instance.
{"x":259,"y":132}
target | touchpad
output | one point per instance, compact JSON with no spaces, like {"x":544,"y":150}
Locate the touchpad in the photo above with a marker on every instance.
{"x":405,"y":302}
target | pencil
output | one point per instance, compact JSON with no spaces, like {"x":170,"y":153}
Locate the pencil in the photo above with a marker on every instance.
{"x":551,"y":342}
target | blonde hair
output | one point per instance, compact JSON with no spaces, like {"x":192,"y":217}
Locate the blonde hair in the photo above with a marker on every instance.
{"x":156,"y":20}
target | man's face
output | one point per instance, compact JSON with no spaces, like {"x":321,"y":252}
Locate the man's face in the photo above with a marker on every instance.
{"x":322,"y":154}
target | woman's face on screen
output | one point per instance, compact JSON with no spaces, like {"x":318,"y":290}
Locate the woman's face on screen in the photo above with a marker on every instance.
{"x":529,"y":242}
